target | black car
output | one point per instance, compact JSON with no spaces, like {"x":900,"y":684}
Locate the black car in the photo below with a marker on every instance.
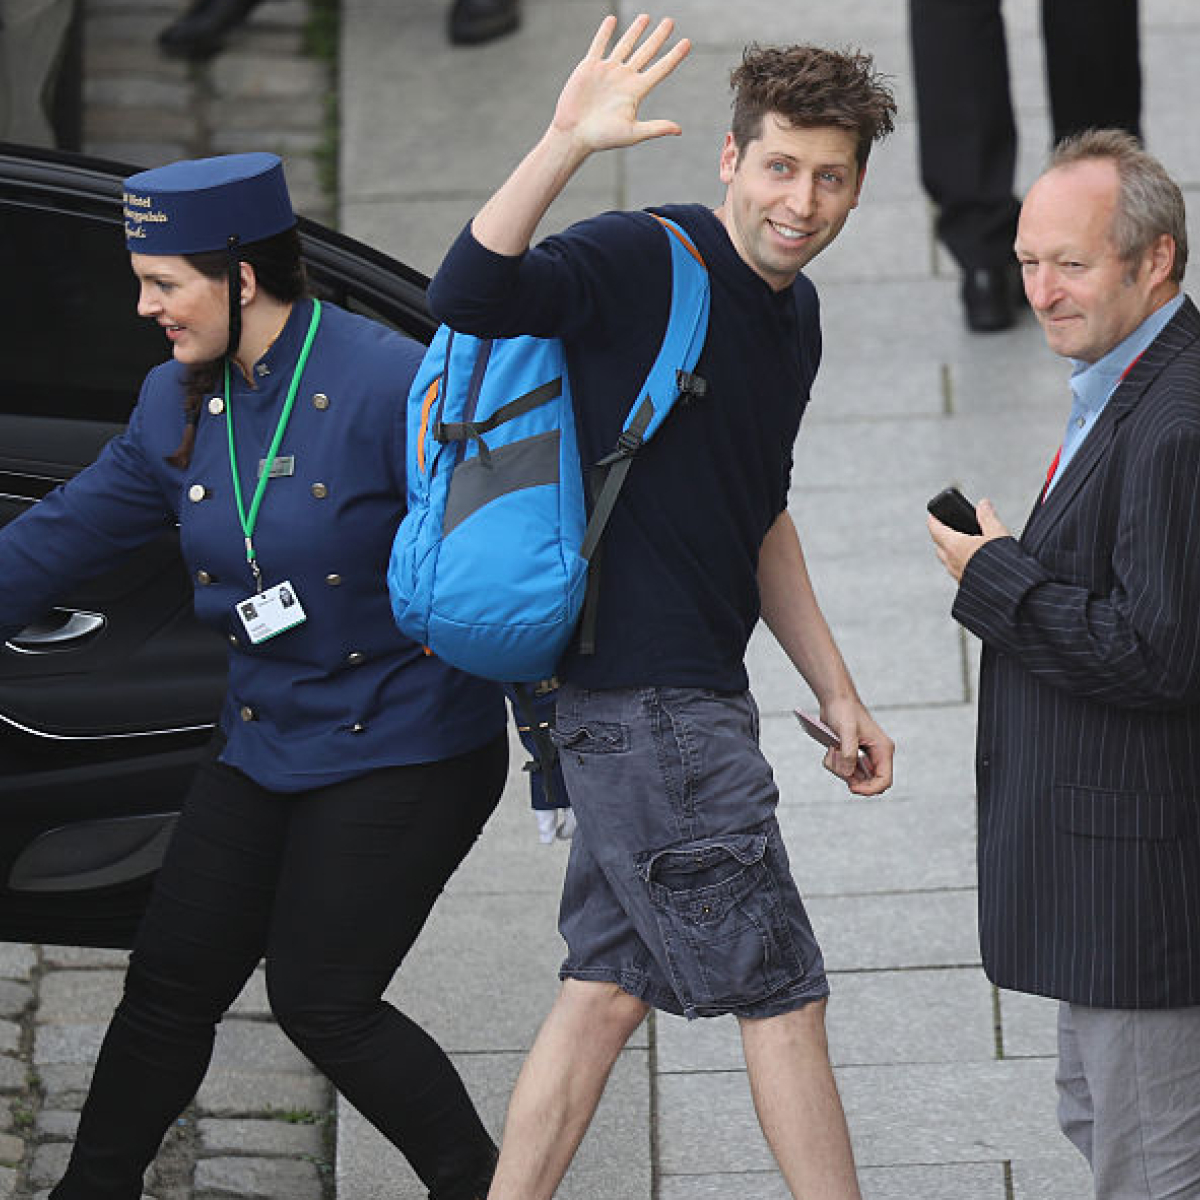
{"x":107,"y":701}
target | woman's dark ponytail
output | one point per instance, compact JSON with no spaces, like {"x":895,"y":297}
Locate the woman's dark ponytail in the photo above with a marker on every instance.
{"x":279,"y":272}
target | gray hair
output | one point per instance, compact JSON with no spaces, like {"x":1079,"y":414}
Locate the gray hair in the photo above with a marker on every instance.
{"x":1149,"y":203}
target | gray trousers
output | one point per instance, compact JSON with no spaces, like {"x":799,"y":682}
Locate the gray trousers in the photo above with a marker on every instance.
{"x":1129,"y":1098}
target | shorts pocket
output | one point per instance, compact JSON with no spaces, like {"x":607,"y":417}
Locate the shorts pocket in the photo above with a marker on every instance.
{"x":722,"y":921}
{"x":591,"y":737}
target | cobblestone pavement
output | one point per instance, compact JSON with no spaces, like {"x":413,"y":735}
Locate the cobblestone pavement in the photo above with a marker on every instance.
{"x":262,"y":1124}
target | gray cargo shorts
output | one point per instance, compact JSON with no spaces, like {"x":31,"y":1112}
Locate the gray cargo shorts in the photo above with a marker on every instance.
{"x":678,"y":887}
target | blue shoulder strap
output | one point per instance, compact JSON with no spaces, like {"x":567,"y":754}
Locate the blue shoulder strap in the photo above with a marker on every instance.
{"x":687,"y":324}
{"x":670,"y":377}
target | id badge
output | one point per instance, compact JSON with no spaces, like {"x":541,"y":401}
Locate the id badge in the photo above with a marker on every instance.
{"x":270,"y":613}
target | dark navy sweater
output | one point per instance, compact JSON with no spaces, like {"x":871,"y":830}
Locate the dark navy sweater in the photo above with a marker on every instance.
{"x":678,"y":577}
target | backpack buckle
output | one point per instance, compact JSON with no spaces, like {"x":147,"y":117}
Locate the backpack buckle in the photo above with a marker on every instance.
{"x":691,"y":387}
{"x":628,"y":444}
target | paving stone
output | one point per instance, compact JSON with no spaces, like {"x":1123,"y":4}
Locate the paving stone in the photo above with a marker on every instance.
{"x":894,"y":844}
{"x":12,"y":1150}
{"x":252,"y":1002}
{"x":258,"y":1179}
{"x":55,"y":1123}
{"x":228,"y":1092}
{"x":112,"y":122}
{"x":76,"y":1044}
{"x":966,"y":1181}
{"x":1029,"y":1025}
{"x":15,"y":997}
{"x":48,"y":1163}
{"x":231,"y":115}
{"x":278,"y":1137}
{"x":258,"y":1045}
{"x":902,"y":930}
{"x":1063,"y":1176}
{"x":13,"y":1074}
{"x":275,"y":15}
{"x":67,"y":996}
{"x":277,"y":42}
{"x":102,"y":59}
{"x":64,"y":1085}
{"x":17,"y":960}
{"x":707,"y":1122}
{"x":148,"y":9}
{"x":847,"y":391}
{"x":251,"y":78}
{"x":953,"y":1181}
{"x":745,"y":1185}
{"x":284,"y":142}
{"x":166,"y":94}
{"x":506,"y":954}
{"x":914,"y":1016}
{"x":130,"y":28}
{"x":10,"y":1037}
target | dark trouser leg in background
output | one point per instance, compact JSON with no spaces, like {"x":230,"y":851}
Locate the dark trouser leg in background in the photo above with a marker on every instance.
{"x":1092,"y":65}
{"x":968,"y":140}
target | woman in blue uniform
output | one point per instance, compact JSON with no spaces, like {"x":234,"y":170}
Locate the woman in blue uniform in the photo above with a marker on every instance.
{"x":352,"y":772}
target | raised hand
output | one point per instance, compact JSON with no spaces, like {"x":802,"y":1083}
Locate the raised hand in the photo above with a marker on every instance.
{"x":598,"y":107}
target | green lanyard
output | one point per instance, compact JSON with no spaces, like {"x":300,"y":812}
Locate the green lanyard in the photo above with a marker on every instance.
{"x":249,"y":522}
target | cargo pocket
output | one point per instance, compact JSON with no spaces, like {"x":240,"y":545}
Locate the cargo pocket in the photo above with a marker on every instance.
{"x":722,"y":921}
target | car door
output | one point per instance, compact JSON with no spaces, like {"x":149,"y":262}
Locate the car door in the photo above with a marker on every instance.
{"x":108,"y":700}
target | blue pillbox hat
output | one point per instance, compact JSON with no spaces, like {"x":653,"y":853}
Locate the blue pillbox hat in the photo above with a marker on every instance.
{"x":198,"y":204}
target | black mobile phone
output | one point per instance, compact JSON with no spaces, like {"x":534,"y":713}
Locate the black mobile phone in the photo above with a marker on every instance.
{"x":952,"y":508}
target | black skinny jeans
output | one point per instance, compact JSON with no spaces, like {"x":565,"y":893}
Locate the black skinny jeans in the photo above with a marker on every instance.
{"x":332,"y":887}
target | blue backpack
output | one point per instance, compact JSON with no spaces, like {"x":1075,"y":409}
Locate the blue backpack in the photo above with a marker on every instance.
{"x":489,"y":568}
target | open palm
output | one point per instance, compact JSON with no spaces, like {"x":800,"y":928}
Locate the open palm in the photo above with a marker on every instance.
{"x":599,"y":105}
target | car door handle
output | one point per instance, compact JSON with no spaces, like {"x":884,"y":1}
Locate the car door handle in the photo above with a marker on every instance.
{"x":60,"y":629}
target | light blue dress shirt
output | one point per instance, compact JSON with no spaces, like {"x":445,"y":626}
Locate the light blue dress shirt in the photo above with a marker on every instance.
{"x":1093,"y":383}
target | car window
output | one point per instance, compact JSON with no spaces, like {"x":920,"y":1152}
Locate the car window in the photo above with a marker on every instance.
{"x":74,"y":345}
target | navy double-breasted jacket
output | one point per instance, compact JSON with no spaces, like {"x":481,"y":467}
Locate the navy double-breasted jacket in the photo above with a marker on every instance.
{"x":344,"y":692}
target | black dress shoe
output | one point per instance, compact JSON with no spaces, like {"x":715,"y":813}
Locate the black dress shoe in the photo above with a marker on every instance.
{"x":987,"y":297}
{"x":201,"y":31}
{"x":474,"y":21}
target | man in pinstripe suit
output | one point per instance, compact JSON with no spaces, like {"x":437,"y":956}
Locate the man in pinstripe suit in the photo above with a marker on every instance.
{"x":1088,"y":756}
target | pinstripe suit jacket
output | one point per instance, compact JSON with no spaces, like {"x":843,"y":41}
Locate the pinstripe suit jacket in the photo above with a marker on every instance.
{"x":1088,"y":754}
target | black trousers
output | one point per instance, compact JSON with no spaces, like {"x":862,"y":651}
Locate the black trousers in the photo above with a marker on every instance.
{"x":968,"y":139}
{"x":332,"y":887}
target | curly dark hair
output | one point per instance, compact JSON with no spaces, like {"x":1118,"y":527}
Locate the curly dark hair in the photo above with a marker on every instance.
{"x":810,"y":87}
